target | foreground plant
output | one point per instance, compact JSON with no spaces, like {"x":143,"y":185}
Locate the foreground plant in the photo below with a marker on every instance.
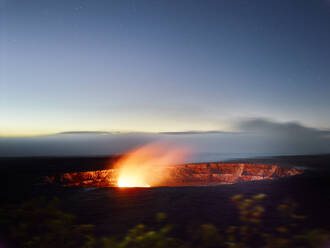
{"x":41,"y":223}
{"x":291,"y":233}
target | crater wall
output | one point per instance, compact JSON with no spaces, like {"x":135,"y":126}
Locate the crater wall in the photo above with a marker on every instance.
{"x":182,"y":175}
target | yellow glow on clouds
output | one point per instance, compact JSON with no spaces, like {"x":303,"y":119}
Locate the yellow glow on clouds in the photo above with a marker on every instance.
{"x":20,"y":127}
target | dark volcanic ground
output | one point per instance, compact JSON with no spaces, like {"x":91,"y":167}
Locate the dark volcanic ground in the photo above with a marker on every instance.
{"x":114,"y":210}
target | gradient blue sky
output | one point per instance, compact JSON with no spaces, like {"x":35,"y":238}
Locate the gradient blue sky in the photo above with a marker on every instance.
{"x":159,"y":66}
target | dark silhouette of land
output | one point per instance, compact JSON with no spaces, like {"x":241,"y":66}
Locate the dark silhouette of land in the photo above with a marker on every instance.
{"x":114,"y":210}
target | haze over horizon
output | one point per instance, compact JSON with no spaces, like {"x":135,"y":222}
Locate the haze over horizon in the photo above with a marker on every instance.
{"x":238,"y":75}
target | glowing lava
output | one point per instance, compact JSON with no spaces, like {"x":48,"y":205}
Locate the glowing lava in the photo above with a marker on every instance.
{"x":146,"y":165}
{"x":131,"y":182}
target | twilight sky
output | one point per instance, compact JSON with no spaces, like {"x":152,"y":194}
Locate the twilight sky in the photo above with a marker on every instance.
{"x":162,"y":66}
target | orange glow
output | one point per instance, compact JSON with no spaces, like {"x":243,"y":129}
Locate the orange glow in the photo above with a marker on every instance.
{"x":146,"y":165}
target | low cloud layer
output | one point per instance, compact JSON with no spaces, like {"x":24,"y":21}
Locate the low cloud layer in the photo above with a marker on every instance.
{"x":195,"y":132}
{"x":290,"y":136}
{"x":254,"y":136}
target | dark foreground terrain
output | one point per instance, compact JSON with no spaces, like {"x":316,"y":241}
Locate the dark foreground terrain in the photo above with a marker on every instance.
{"x":113,"y":210}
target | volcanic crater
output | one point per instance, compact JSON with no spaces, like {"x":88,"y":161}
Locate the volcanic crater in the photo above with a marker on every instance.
{"x":197,"y":174}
